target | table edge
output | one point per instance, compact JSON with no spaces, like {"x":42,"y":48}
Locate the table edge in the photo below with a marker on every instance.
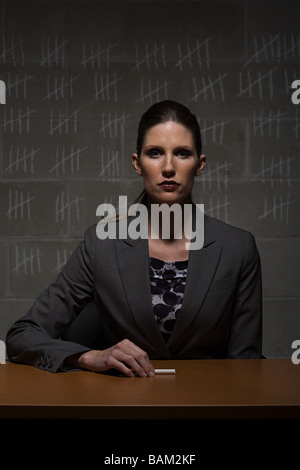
{"x":150,"y":412}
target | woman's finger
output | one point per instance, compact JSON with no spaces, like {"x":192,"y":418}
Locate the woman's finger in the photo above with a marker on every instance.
{"x":137,"y":359}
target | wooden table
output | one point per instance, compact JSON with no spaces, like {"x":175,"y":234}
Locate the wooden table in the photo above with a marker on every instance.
{"x":200,"y":389}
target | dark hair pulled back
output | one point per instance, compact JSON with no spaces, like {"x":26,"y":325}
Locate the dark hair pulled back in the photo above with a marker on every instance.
{"x":165,"y":111}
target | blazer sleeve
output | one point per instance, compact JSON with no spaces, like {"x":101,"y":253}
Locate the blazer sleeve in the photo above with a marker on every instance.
{"x":245,"y":339}
{"x":35,"y":339}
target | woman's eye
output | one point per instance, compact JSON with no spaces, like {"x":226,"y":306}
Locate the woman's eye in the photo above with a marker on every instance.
{"x":183,"y":153}
{"x":154,"y":153}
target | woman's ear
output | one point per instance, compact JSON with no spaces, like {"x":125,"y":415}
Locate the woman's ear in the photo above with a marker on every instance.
{"x":136,"y":163}
{"x":201,"y":165}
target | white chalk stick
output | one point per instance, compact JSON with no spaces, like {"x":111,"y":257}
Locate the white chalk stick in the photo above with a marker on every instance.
{"x":165,"y":371}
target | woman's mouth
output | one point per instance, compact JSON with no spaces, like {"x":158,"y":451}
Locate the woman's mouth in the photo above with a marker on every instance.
{"x":169,"y":185}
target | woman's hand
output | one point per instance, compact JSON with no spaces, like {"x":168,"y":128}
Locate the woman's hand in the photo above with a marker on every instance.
{"x":124,"y":356}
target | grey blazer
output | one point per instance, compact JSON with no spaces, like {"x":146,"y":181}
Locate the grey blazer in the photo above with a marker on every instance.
{"x":221,"y":314}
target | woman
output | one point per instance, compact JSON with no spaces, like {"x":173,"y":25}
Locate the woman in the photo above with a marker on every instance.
{"x":156,"y":298}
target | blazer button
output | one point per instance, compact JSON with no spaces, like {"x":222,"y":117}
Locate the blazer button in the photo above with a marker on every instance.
{"x":50,"y":363}
{"x":39,"y":361}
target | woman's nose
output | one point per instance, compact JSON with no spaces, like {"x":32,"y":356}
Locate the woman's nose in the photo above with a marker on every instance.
{"x":168,"y":167}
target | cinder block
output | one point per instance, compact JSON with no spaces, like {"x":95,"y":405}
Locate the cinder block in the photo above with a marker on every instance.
{"x":36,"y":34}
{"x":85,"y":197}
{"x":101,"y":146}
{"x":266,"y":208}
{"x":96,"y":90}
{"x":34,"y":209}
{"x":43,"y":92}
{"x":279,"y":19}
{"x":280,"y":267}
{"x":4,"y":268}
{"x":192,"y":25}
{"x":36,"y":264}
{"x":281,"y":326}
{"x":92,"y":46}
{"x":10,"y":311}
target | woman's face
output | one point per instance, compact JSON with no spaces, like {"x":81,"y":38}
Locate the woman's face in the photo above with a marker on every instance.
{"x":168,"y":163}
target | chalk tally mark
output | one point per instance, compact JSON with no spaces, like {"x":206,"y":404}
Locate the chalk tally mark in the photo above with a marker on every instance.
{"x":113,"y":124}
{"x":17,"y":85}
{"x":213,"y":132}
{"x":17,"y":120}
{"x":27,"y":261}
{"x":153,"y":90}
{"x":62,"y":256}
{"x":275,"y":47}
{"x":267,"y":125}
{"x":277,"y":207}
{"x":65,"y":206}
{"x":95,"y":55}
{"x":53,"y":51}
{"x":109,"y":164}
{"x":216,"y":175}
{"x":218,"y":207}
{"x":19,"y":205}
{"x":12,"y":50}
{"x":297,"y":124}
{"x":64,"y":123}
{"x":276,"y":168}
{"x":59,"y":88}
{"x":193,"y":55}
{"x":67,"y":161}
{"x":247,"y":84}
{"x":21,"y":159}
{"x":106,"y":87}
{"x":150,"y":56}
{"x":209,"y":87}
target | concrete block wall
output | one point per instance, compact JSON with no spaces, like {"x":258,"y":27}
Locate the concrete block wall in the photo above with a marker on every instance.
{"x":78,"y":77}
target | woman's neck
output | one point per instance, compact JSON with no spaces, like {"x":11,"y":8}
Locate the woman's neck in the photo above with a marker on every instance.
{"x":166,"y":250}
{"x":170,"y":222}
{"x":169,"y":232}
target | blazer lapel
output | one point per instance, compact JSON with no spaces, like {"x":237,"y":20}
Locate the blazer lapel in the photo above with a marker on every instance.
{"x":201,"y":270}
{"x":132,"y":259}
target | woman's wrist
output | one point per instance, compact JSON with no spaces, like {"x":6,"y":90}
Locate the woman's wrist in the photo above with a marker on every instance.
{"x":77,"y":361}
